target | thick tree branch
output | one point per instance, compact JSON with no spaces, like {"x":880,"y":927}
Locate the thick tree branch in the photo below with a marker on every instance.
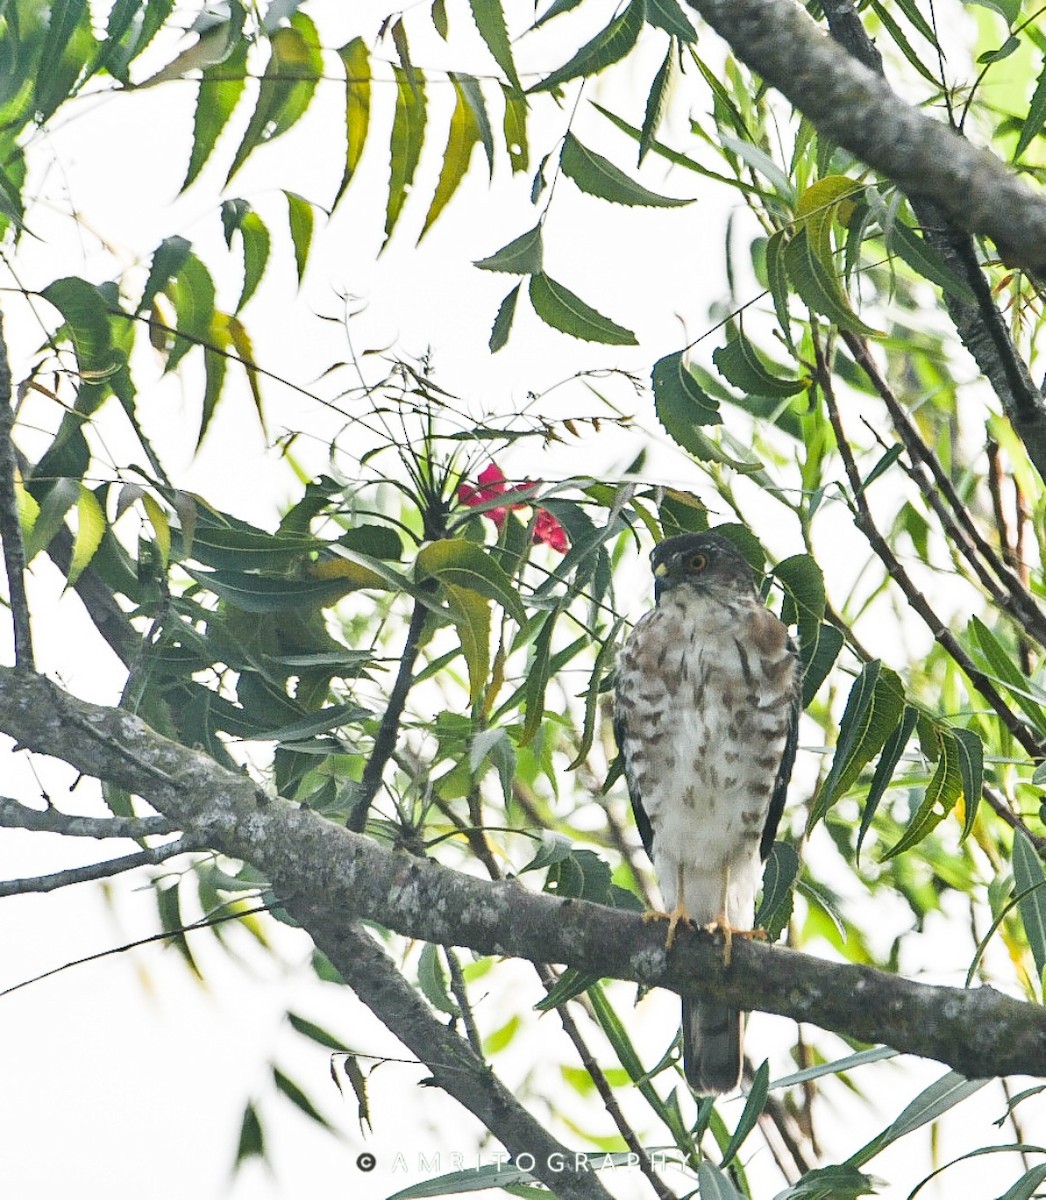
{"x":455,"y":1066}
{"x":953,"y":185}
{"x":317,"y":864}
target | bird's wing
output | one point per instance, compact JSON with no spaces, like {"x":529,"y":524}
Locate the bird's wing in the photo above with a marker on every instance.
{"x":784,"y":771}
{"x":646,"y":831}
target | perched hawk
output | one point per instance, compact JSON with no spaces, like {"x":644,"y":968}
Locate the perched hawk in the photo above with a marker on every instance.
{"x":706,"y":713}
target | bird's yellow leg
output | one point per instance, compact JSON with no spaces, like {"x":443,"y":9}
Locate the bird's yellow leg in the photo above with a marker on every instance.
{"x":678,"y":916}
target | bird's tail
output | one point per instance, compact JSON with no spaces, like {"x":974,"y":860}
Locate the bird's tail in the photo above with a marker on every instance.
{"x":711,"y":1046}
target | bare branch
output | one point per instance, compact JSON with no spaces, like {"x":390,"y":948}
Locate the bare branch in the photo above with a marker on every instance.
{"x":337,"y":874}
{"x":15,"y":815}
{"x":101,"y":870}
{"x":10,"y":522}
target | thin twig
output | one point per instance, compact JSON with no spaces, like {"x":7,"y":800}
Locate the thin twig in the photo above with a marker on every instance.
{"x":997,"y":803}
{"x":101,"y":870}
{"x":15,"y":815}
{"x":1031,"y":742}
{"x":10,"y":522}
{"x":459,"y":991}
{"x":385,"y":740}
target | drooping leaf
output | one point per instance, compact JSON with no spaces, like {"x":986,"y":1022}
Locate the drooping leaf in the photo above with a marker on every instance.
{"x":515,"y":128}
{"x":940,"y":796}
{"x":433,"y":981}
{"x":85,"y":312}
{"x":818,"y":658}
{"x":239,"y":218}
{"x":922,"y":257}
{"x":90,"y":528}
{"x":503,"y":321}
{"x":287,"y":86}
{"x":1035,"y":121}
{"x":192,"y":293}
{"x":679,"y":400}
{"x":166,"y":262}
{"x":608,"y":46}
{"x":471,"y":615}
{"x":932,"y":1102}
{"x":273,"y":593}
{"x":61,"y":56}
{"x":803,"y":582}
{"x":885,"y":767}
{"x":295,"y":1094}
{"x":597,"y":176}
{"x":300,"y":217}
{"x":241,"y":343}
{"x":161,"y":527}
{"x":221,"y":87}
{"x":521,"y":256}
{"x":779,"y":876}
{"x":753,"y":1110}
{"x":490,"y":21}
{"x":1005,"y":671}
{"x":740,"y":364}
{"x":560,"y":308}
{"x":1029,"y":878}
{"x":655,"y":103}
{"x":251,"y":1143}
{"x":670,"y":16}
{"x":408,"y":135}
{"x":355,"y":62}
{"x":971,"y":768}
{"x":466,"y":129}
{"x":818,"y":286}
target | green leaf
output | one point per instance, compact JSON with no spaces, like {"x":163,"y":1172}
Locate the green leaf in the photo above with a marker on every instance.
{"x":713,"y":1184}
{"x":300,"y":216}
{"x":560,"y":308}
{"x":433,"y":981}
{"x":317,"y":1034}
{"x":287,"y":86}
{"x":779,"y":876}
{"x":931,"y":1103}
{"x":466,"y":129}
{"x":287,"y":1087}
{"x":214,"y":364}
{"x":167,"y":261}
{"x":885,"y":767}
{"x":490,"y":21}
{"x":273,"y":593}
{"x":556,"y":9}
{"x":597,"y":176}
{"x":873,"y":709}
{"x":679,"y":398}
{"x":466,"y":565}
{"x":1004,"y":51}
{"x":310,"y":726}
{"x":803,"y":582}
{"x":60,"y":59}
{"x":754,"y":1104}
{"x":244,"y":547}
{"x":90,"y":528}
{"x":655,"y":102}
{"x":818,"y":287}
{"x":161,"y":527}
{"x":570,"y":984}
{"x":1030,"y":879}
{"x":1036,"y":118}
{"x":1005,"y":671}
{"x":607,"y":47}
{"x":356,"y":63}
{"x":87,"y":323}
{"x":669,"y":16}
{"x":503,"y":321}
{"x":221,"y":87}
{"x":239,"y":217}
{"x":515,"y":128}
{"x":940,"y":796}
{"x":408,"y":135}
{"x":252,"y":1138}
{"x":192,"y":293}
{"x":971,"y":768}
{"x":818,"y":658}
{"x":837,"y":1182}
{"x":1027,"y":1186}
{"x":537,"y":677}
{"x":521,"y":256}
{"x":740,"y":364}
{"x":925,"y":260}
{"x":471,"y":615}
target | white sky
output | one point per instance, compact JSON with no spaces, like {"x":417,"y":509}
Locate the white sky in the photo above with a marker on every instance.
{"x":123,"y":1075}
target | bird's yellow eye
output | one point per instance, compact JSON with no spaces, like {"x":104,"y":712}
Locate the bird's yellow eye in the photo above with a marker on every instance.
{"x":697,"y":562}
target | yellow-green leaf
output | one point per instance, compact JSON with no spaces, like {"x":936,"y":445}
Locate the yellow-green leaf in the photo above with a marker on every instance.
{"x":471,"y":614}
{"x":356,"y":64}
{"x":464,"y":564}
{"x":161,"y":526}
{"x":90,"y":529}
{"x":462,"y":136}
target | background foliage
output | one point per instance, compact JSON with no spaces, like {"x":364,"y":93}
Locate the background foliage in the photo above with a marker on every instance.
{"x":423,"y":648}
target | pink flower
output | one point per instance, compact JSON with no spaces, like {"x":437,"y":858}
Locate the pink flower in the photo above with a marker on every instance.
{"x":492,"y":484}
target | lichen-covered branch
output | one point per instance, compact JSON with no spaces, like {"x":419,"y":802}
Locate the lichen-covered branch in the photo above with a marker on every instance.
{"x":328,"y":869}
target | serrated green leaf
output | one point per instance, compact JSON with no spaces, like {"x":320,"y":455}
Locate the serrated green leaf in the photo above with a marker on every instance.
{"x":818,"y":287}
{"x":490,"y":21}
{"x":971,"y":768}
{"x":90,"y":529}
{"x":570,"y":984}
{"x":239,"y":217}
{"x":537,"y":677}
{"x":669,"y":16}
{"x":885,"y":767}
{"x":779,"y":876}
{"x":464,"y":132}
{"x":837,"y":1182}
{"x":679,"y":400}
{"x":273,"y":593}
{"x":221,"y":87}
{"x":503,"y":321}
{"x":433,"y":982}
{"x":408,"y":136}
{"x":521,"y":256}
{"x":754,"y":1104}
{"x":777,"y":278}
{"x":558,"y":307}
{"x":88,"y":326}
{"x":466,"y":565}
{"x":161,"y":527}
{"x":740,"y":364}
{"x":555,"y":848}
{"x":1004,"y":670}
{"x":655,"y":102}
{"x":214,"y":365}
{"x":301,"y":220}
{"x":873,"y":709}
{"x":1030,"y":878}
{"x":818,"y":659}
{"x":556,"y":9}
{"x":608,"y":46}
{"x":62,"y":55}
{"x":355,"y":62}
{"x":803,"y":582}
{"x":1036,"y":118}
{"x":166,"y":262}
{"x":192,"y":293}
{"x":514,"y":126}
{"x":940,"y":796}
{"x":597,"y":176}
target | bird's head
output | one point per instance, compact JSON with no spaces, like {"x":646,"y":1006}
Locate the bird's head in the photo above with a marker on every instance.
{"x":705,"y":562}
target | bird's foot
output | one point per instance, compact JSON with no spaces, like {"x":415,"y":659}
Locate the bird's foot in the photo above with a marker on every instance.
{"x":722,"y":926}
{"x":678,"y":916}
